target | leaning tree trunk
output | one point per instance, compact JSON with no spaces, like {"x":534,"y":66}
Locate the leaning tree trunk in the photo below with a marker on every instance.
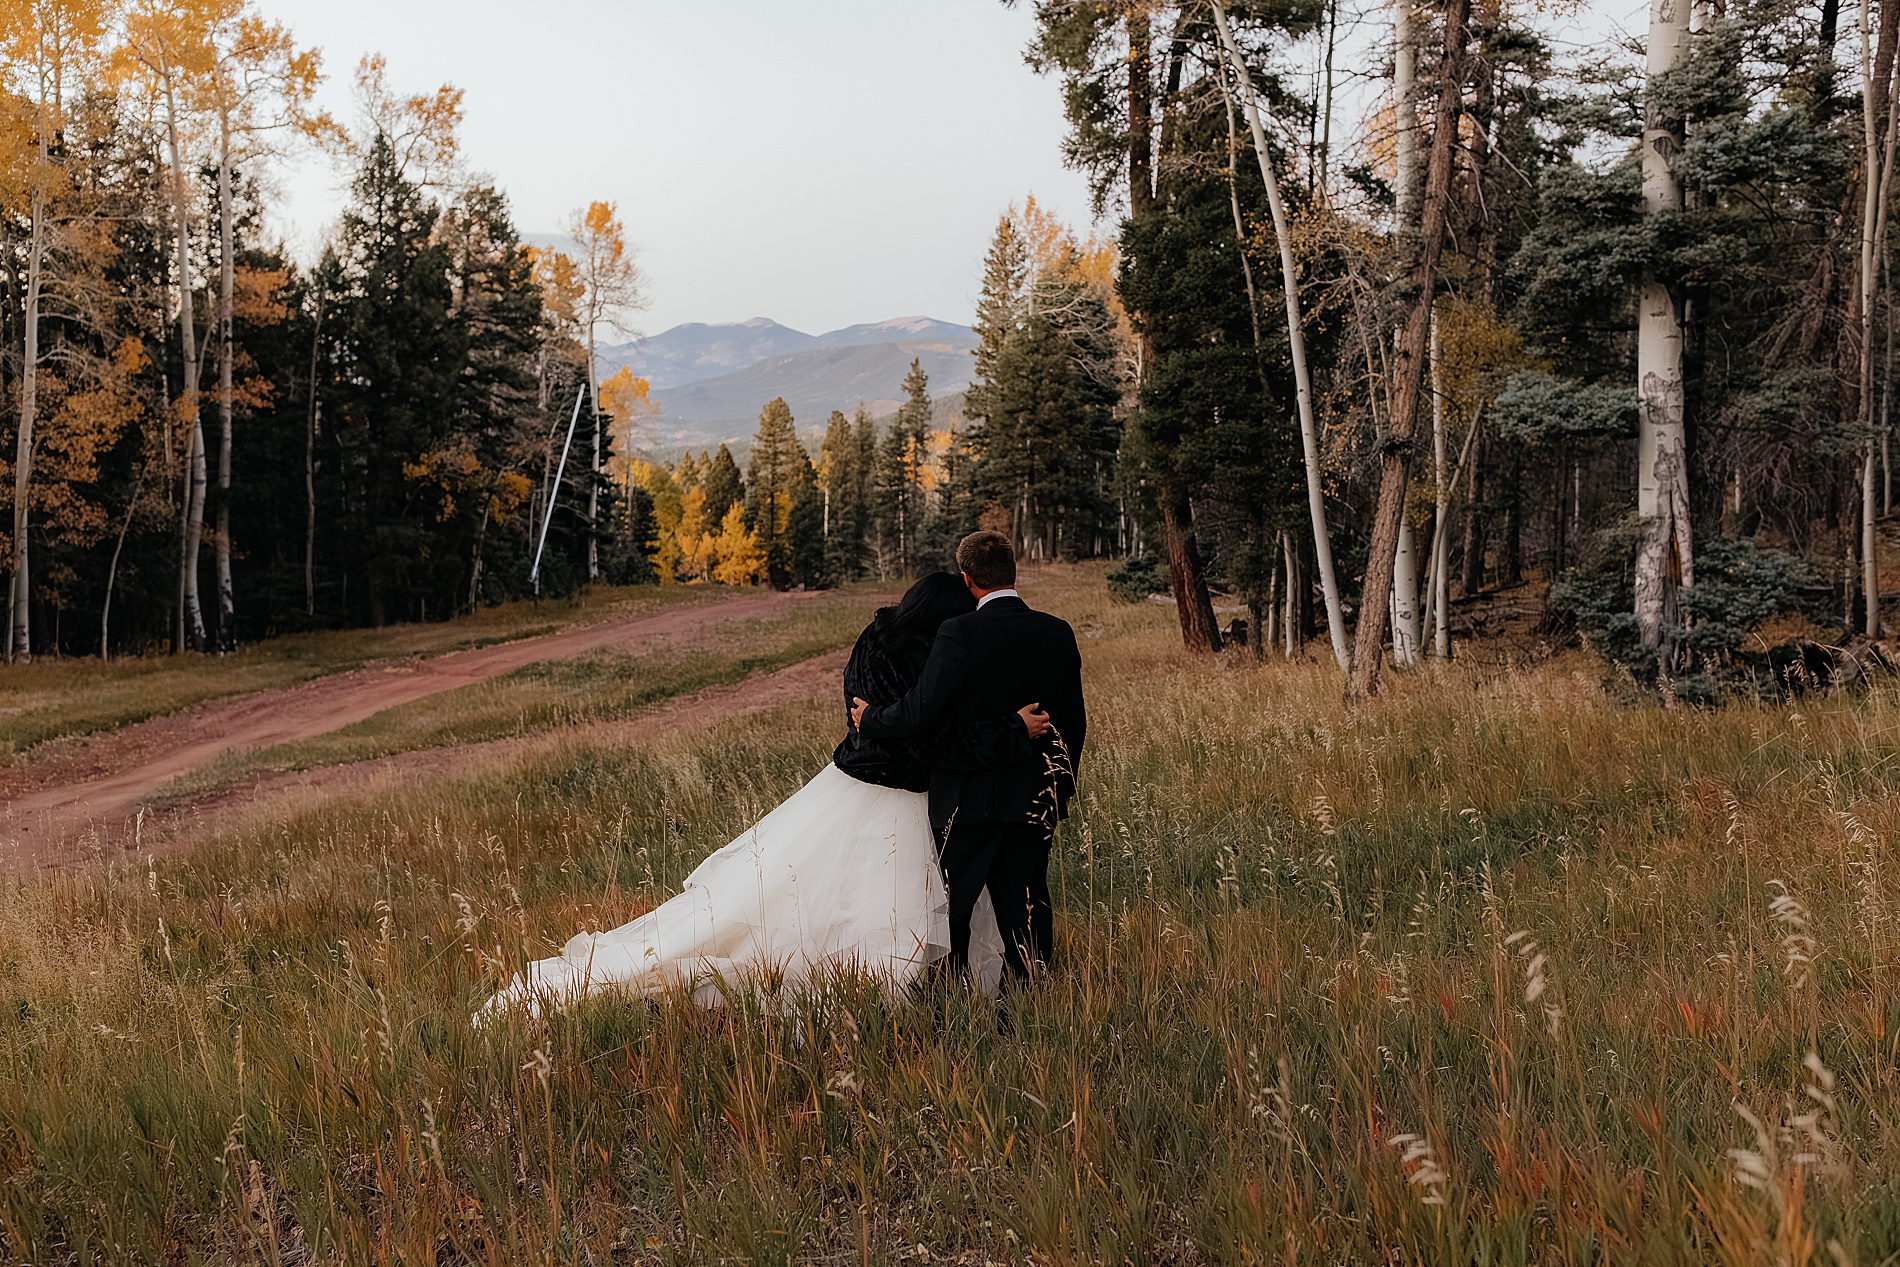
{"x":1409,"y":362}
{"x":1665,"y":562}
{"x":1296,"y":342}
{"x":227,"y":285}
{"x":1199,"y":630}
{"x":1441,"y":519}
{"x":19,"y":608}
{"x":191,"y":625}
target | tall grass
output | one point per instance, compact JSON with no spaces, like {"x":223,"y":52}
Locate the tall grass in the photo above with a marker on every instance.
{"x":1494,"y":970}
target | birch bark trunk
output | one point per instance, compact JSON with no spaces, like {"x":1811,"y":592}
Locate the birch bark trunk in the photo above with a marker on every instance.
{"x":1405,"y":617}
{"x":1879,"y":173}
{"x":20,"y":592}
{"x":1296,"y":341}
{"x":191,"y":626}
{"x":1665,"y":561}
{"x":1409,"y":361}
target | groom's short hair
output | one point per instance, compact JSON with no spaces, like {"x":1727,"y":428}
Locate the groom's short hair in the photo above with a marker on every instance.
{"x":988,"y":560}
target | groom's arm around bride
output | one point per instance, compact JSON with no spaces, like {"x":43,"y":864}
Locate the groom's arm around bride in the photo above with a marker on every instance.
{"x":993,"y":826}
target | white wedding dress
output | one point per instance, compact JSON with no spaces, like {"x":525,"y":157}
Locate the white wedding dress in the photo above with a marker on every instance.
{"x":842,"y":876}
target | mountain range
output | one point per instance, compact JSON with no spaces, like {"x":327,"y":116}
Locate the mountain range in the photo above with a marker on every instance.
{"x":712,"y":380}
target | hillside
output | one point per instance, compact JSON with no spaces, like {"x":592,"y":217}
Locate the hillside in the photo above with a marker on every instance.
{"x":712,"y":380}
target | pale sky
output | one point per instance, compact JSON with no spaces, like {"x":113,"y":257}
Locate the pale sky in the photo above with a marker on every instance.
{"x":820,"y":162}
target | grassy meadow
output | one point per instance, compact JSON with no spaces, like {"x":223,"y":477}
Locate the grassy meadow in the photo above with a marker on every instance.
{"x":1496,"y":969}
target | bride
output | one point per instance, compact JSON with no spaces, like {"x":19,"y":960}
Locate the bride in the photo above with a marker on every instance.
{"x":843,"y":875}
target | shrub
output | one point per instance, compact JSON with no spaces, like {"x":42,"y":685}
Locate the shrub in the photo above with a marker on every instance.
{"x":1139,"y":576}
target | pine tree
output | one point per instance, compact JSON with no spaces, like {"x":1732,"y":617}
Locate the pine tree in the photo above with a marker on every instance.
{"x":725,"y":488}
{"x":1047,"y":436}
{"x":688,"y":472}
{"x":804,"y":548}
{"x":778,"y":468}
{"x":842,"y":509}
{"x":999,"y":309}
{"x":903,"y":458}
{"x":403,"y":352}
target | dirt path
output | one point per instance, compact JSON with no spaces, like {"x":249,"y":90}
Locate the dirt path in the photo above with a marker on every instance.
{"x":98,"y":783}
{"x":277,"y":794}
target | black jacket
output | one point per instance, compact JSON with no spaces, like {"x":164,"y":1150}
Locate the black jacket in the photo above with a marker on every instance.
{"x":992,"y":662}
{"x":883,"y":666}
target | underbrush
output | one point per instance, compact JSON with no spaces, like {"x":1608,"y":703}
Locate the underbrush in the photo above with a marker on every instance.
{"x":1493,"y":970}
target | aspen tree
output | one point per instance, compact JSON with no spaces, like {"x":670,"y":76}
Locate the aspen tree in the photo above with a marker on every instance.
{"x":612,"y":289}
{"x":259,"y":83}
{"x":1665,"y":562}
{"x":1296,"y":340}
{"x":50,"y":47}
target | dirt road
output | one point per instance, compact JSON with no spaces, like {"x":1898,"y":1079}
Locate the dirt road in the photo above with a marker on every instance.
{"x":98,"y":783}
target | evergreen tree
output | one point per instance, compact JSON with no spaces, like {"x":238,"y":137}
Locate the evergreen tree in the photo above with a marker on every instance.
{"x":779,"y":468}
{"x":956,"y":505}
{"x":903,"y":459}
{"x":1045,"y":445}
{"x":805,"y":529}
{"x":689,"y":472}
{"x":999,"y":309}
{"x":725,"y":488}
{"x":842,"y":508}
{"x":400,"y":354}
{"x":630,"y":558}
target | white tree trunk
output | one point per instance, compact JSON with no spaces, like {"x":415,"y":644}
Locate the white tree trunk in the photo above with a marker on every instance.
{"x":20,"y":592}
{"x":1406,"y":631}
{"x":1665,"y":562}
{"x":1290,"y":619}
{"x":191,"y":625}
{"x":1405,"y":113}
{"x":1296,"y":341}
{"x":1405,"y":622}
{"x":1873,"y":232}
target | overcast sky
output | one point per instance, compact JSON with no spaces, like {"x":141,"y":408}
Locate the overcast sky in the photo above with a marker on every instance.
{"x":820,"y":162}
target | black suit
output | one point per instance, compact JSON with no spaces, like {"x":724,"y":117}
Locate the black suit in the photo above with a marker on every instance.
{"x":994,"y":824}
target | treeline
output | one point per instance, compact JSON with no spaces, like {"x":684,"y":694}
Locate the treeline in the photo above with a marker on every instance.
{"x":211,"y":442}
{"x":1032,"y":453}
{"x":1618,"y":320}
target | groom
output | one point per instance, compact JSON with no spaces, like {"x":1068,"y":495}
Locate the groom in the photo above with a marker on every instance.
{"x":994,"y":826}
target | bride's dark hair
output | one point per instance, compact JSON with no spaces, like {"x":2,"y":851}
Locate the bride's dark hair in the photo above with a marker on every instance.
{"x":926,"y":605}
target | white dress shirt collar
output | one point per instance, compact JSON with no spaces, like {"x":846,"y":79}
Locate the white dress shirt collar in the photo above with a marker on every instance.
{"x":1002,"y":593}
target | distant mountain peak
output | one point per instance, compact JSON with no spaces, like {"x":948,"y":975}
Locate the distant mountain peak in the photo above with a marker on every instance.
{"x":698,"y":351}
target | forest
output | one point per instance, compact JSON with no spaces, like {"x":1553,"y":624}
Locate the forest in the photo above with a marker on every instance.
{"x":1611,"y":322}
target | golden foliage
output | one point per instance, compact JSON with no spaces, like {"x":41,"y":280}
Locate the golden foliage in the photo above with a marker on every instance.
{"x":421,"y":127}
{"x":1477,"y":350}
{"x":741,"y":561}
